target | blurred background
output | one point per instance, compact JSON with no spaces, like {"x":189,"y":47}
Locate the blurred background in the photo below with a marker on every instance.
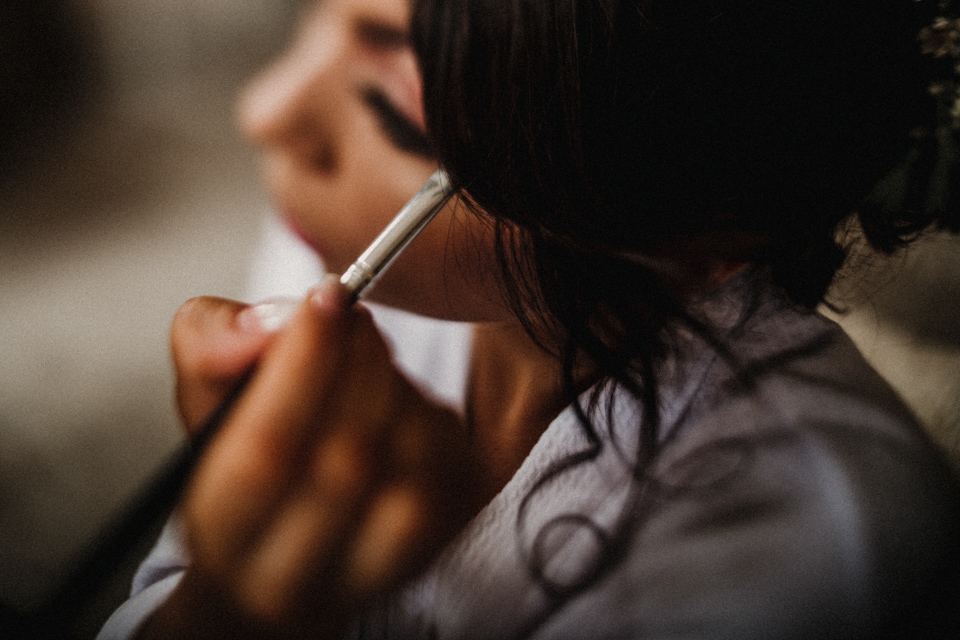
{"x":125,"y":190}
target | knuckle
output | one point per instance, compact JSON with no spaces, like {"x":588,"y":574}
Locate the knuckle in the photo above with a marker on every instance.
{"x":268,"y":607}
{"x":386,"y":547}
{"x":342,"y":467}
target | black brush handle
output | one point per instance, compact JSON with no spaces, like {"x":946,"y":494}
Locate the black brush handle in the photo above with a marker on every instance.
{"x":143,"y":515}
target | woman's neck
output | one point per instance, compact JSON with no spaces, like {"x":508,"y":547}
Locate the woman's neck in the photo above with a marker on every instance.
{"x":515,"y":391}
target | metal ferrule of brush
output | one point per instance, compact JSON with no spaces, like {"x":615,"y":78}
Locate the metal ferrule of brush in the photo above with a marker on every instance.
{"x":391,"y":242}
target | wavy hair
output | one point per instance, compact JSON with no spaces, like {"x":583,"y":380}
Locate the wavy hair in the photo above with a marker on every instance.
{"x":623,"y":148}
{"x":620,"y":147}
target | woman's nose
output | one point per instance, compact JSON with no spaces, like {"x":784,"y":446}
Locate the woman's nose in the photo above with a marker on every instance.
{"x":295,"y":105}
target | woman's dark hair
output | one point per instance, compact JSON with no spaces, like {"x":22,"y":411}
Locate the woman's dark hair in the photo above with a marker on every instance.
{"x":623,"y":147}
{"x":619,"y":146}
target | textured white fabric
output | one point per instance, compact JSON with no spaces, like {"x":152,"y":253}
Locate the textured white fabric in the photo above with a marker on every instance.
{"x":802,"y":501}
{"x":154,"y":581}
{"x":793,"y":497}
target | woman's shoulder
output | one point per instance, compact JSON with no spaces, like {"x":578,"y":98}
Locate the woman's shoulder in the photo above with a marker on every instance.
{"x":785,"y":514}
{"x":795,"y":492}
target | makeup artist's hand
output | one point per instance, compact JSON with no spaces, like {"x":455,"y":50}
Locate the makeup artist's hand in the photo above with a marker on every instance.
{"x":331,"y":481}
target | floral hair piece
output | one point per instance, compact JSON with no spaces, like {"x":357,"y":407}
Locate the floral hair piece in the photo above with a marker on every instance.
{"x":925,"y":186}
{"x":941,"y":40}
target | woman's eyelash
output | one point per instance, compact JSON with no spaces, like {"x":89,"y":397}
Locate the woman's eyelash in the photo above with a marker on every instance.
{"x":398,"y":128}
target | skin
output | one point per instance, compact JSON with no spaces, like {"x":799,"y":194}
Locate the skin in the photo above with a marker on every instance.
{"x":334,"y":480}
{"x":337,"y":170}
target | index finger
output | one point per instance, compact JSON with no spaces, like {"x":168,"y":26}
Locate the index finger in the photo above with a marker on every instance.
{"x":265,"y":442}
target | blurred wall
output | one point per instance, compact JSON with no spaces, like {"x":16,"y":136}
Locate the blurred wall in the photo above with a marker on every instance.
{"x":137,"y":196}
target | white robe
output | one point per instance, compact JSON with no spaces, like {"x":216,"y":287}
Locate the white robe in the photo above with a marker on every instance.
{"x":801,"y":500}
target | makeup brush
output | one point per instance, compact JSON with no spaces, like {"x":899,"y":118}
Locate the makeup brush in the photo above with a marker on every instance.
{"x":152,"y":506}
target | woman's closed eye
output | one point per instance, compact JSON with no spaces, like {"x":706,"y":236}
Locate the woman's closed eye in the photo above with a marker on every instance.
{"x":399,"y":129}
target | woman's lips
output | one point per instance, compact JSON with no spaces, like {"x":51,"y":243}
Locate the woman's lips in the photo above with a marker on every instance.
{"x":290,"y":219}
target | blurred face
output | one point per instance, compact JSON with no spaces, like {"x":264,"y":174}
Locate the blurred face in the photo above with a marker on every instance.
{"x":339,"y":120}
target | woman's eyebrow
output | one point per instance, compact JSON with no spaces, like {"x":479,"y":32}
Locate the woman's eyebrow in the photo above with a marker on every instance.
{"x":398,"y":128}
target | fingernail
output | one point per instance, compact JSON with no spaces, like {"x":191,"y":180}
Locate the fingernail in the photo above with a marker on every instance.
{"x":268,"y":316}
{"x":329,"y":294}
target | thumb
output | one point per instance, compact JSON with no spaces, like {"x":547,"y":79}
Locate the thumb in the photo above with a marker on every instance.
{"x":214,"y":342}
